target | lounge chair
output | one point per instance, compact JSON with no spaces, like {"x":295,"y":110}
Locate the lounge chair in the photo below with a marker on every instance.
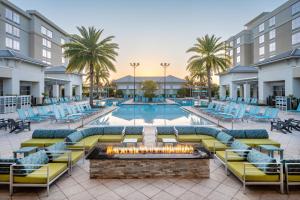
{"x":3,"y":123}
{"x":283,"y":126}
{"x":61,"y":116}
{"x":295,"y":124}
{"x":270,"y":114}
{"x":18,"y":125}
{"x":22,"y":116}
{"x":31,"y":114}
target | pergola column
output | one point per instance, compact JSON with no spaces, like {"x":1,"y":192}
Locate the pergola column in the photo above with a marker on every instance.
{"x":247,"y":88}
{"x":55,"y":90}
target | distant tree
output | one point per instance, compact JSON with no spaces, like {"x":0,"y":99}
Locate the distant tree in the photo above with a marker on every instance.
{"x":149,"y":87}
{"x":215,"y":90}
{"x":183,"y":92}
{"x":119,"y":93}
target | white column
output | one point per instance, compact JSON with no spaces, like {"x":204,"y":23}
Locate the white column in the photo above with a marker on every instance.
{"x":233,"y":90}
{"x":78,"y":91}
{"x":55,"y":91}
{"x":265,"y":90}
{"x":11,"y":86}
{"x":37,"y":90}
{"x":246,"y":90}
{"x":68,"y":90}
{"x":222,"y":90}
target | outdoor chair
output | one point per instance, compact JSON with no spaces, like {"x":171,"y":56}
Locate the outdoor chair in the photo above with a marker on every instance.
{"x":283,"y":126}
{"x":3,"y":123}
{"x":295,"y":124}
{"x":18,"y":126}
{"x":220,"y":143}
{"x":22,"y":116}
{"x":165,"y":132}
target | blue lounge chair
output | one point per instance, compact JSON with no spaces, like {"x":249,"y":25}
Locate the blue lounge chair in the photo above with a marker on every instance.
{"x":238,"y":115}
{"x":239,"y":100}
{"x":269,"y":114}
{"x":254,"y":110}
{"x":253,"y":101}
{"x":22,"y":116}
{"x":61,"y":116}
{"x":31,"y":114}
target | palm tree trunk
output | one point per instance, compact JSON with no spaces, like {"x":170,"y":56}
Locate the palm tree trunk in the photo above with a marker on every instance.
{"x":91,"y":83}
{"x":208,"y":83}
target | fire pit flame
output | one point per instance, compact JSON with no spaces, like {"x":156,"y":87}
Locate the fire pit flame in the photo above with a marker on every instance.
{"x":178,"y":149}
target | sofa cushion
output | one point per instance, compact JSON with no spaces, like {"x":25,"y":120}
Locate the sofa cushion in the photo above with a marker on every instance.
{"x":5,"y":163}
{"x":74,"y":137}
{"x":257,"y":134}
{"x":231,"y":156}
{"x":38,"y":158}
{"x":60,"y":146}
{"x":165,"y":130}
{"x":138,"y":137}
{"x":41,"y":142}
{"x":185,"y":130}
{"x":75,"y":156}
{"x":86,"y":143}
{"x":257,"y":142}
{"x":111,"y":138}
{"x":255,"y":156}
{"x":237,"y":145}
{"x":134,"y":130}
{"x":224,"y":137}
{"x":193,"y":138}
{"x":92,"y":131}
{"x":214,"y":145}
{"x":201,"y":130}
{"x":235,"y":133}
{"x":113,"y":130}
{"x":54,"y":133}
{"x":160,"y":137}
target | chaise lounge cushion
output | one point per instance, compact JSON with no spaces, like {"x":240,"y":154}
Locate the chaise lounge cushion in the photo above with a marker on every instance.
{"x":86,"y":143}
{"x":257,"y":142}
{"x":231,"y":156}
{"x":75,"y":156}
{"x":214,"y":145}
{"x":134,"y":130}
{"x":39,"y":176}
{"x":41,"y":142}
{"x":256,"y":158}
{"x":113,"y":130}
{"x":60,"y":146}
{"x":253,"y":173}
{"x":165,"y":130}
{"x":201,"y":130}
{"x":54,"y":133}
{"x":185,"y":130}
{"x":74,"y":137}
{"x":92,"y":131}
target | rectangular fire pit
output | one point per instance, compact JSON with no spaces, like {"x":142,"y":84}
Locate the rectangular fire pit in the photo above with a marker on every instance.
{"x":143,"y":162}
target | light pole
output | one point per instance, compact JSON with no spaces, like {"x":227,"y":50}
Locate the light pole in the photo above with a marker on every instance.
{"x":134,"y":65}
{"x":165,"y":65}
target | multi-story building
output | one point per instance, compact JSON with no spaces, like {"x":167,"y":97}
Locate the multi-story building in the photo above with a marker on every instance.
{"x":268,"y":45}
{"x":30,"y":44}
{"x":126,"y":84}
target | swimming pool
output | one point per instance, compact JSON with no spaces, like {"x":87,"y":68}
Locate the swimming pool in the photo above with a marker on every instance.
{"x":150,"y":114}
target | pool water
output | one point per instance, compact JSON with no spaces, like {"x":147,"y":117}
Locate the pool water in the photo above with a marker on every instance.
{"x":150,"y":114}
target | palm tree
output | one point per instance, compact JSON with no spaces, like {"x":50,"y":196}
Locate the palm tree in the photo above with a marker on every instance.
{"x":88,"y":51}
{"x":209,"y":56}
{"x":101,"y":77}
{"x":199,"y":74}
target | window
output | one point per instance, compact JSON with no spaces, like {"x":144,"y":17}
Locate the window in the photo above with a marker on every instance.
{"x":46,"y":43}
{"x":12,"y":16}
{"x":9,"y":42}
{"x":296,"y":38}
{"x":272,"y":21}
{"x":48,"y":54}
{"x":12,"y":30}
{"x":62,"y":50}
{"x":44,"y":53}
{"x":295,"y":8}
{"x":272,"y":34}
{"x":46,"y":32}
{"x":261,"y":51}
{"x":238,"y":59}
{"x":238,"y":40}
{"x":62,"y":41}
{"x":272,"y":47}
{"x":230,"y":53}
{"x":16,"y":31}
{"x":296,"y":23}
{"x":63,"y":60}
{"x":16,"y":45}
{"x":8,"y":28}
{"x":231,"y":44}
{"x":261,"y":39}
{"x":261,"y":27}
{"x":238,"y":50}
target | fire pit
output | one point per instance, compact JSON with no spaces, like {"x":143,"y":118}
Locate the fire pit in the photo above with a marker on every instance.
{"x":182,"y":161}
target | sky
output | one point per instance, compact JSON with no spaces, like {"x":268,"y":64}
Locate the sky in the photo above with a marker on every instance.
{"x":153,"y":31}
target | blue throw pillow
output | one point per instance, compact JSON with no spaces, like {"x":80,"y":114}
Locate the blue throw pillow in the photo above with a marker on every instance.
{"x":224,"y":137}
{"x":165,"y":130}
{"x":237,"y":145}
{"x":92,"y":131}
{"x":185,"y":130}
{"x":237,"y":134}
{"x":134,"y":130}
{"x":202,"y":130}
{"x":74,"y":137}
{"x":113,"y":130}
{"x":5,"y":164}
{"x":27,"y":163}
{"x":257,"y":134}
{"x":255,"y":156}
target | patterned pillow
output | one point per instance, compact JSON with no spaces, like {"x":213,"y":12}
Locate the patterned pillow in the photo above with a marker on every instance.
{"x":38,"y":158}
{"x":238,"y":134}
{"x":92,"y":131}
{"x":5,"y":164}
{"x":185,"y":130}
{"x":257,"y":133}
{"x":165,"y":130}
{"x":224,"y":137}
{"x":113,"y":130}
{"x":201,"y":130}
{"x":237,"y":145}
{"x":74,"y":137}
{"x":255,"y":156}
{"x":134,"y":130}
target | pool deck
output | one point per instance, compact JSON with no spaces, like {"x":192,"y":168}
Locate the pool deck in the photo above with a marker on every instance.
{"x":218,"y":187}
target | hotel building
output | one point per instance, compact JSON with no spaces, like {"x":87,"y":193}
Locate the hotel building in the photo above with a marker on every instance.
{"x":265,"y":56}
{"x":31,"y":56}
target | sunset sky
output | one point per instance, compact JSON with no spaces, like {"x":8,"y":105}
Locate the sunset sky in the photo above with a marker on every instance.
{"x":153,"y":31}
